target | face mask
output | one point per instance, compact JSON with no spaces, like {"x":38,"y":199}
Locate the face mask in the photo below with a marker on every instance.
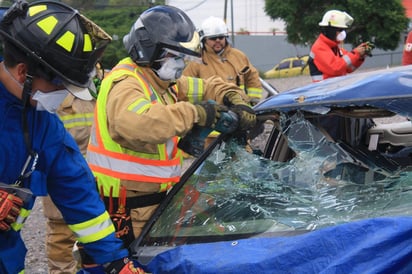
{"x":171,"y":69}
{"x":49,"y":101}
{"x":341,"y":36}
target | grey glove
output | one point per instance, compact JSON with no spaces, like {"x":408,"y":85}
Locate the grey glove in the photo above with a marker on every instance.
{"x":209,"y":113}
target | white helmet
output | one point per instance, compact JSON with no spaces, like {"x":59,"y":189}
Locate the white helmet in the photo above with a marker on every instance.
{"x":212,"y":27}
{"x":337,"y":19}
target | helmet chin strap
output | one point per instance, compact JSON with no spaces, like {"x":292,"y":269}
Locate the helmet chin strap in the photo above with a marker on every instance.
{"x":32,"y":154}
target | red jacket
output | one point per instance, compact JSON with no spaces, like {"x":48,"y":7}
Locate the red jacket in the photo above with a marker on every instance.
{"x":407,"y":50}
{"x":328,"y":60}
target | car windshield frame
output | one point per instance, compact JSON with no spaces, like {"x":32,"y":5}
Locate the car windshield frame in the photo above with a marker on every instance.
{"x":310,"y":120}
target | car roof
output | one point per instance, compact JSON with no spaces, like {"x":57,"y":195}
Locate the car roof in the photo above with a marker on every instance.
{"x":389,"y":89}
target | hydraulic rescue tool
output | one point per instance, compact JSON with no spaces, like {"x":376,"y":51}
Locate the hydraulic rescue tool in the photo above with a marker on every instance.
{"x":193,"y":142}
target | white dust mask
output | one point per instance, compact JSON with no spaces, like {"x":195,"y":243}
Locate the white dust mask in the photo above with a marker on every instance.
{"x":49,"y":101}
{"x":171,"y":69}
{"x":341,"y":36}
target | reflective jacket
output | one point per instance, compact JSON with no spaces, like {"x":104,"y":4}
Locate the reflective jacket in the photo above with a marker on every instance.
{"x":228,"y":66}
{"x":61,"y":171}
{"x":327,"y":60}
{"x":407,"y":50}
{"x":77,"y":117}
{"x":137,"y":120}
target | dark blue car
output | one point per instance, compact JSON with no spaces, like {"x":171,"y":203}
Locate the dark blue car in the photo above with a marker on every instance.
{"x":323,"y":184}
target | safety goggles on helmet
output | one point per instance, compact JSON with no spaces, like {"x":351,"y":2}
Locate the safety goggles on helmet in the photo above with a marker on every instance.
{"x":167,"y":53}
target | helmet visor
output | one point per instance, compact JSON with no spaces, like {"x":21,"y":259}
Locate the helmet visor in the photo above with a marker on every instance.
{"x":173,"y":53}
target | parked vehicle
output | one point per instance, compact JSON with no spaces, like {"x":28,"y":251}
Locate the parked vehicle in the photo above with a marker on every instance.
{"x":321,"y":185}
{"x":289,"y":67}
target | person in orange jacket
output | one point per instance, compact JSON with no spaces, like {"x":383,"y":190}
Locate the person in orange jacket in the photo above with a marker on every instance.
{"x":407,"y":50}
{"x":327,"y":59}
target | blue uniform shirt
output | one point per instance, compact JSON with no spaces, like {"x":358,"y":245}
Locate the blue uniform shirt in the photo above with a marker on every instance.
{"x":61,"y":171}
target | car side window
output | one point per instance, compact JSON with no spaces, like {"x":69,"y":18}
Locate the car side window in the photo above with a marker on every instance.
{"x":298,"y":63}
{"x":284,"y":65}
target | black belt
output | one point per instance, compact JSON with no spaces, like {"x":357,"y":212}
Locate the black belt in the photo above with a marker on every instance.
{"x":138,"y":201}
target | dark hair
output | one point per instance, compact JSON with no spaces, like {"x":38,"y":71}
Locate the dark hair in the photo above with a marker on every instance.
{"x":330,"y":32}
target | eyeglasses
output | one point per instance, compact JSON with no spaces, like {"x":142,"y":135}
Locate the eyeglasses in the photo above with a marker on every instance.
{"x":216,"y":37}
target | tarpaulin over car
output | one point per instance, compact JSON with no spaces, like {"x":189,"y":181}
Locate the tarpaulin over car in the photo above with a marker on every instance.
{"x":390,"y":89}
{"x":379,"y":245}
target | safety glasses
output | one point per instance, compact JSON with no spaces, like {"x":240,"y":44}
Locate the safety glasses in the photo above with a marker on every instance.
{"x":216,"y":38}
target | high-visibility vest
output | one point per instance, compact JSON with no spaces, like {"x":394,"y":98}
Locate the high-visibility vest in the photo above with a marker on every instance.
{"x":110,"y":162}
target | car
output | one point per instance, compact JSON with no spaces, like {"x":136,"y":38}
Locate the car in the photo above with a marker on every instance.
{"x":322,"y":184}
{"x":289,"y":67}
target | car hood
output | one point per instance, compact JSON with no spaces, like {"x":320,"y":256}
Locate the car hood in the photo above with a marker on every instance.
{"x":388,"y":89}
{"x":340,"y":248}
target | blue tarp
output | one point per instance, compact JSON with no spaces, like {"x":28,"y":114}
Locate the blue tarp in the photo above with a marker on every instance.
{"x":379,"y":245}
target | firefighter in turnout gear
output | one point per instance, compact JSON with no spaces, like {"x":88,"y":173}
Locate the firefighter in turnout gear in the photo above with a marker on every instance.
{"x":221,"y":59}
{"x":49,"y":50}
{"x":327,"y":58}
{"x":145,"y":106}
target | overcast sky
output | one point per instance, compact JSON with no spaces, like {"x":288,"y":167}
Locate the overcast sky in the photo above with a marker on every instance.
{"x":248,"y":14}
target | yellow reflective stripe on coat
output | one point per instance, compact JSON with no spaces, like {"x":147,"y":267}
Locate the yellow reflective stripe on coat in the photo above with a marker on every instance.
{"x":195,"y":90}
{"x":139,"y":106}
{"x":18,"y":224}
{"x":255,"y":92}
{"x":77,"y":120}
{"x":94,"y":229}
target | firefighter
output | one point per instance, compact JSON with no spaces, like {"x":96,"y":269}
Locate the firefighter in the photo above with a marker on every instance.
{"x":327,"y":58}
{"x":77,"y":117}
{"x":407,"y":50}
{"x":49,"y":50}
{"x":144,"y":106}
{"x":221,"y":59}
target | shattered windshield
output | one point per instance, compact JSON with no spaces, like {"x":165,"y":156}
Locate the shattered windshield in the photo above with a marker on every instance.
{"x":237,"y":193}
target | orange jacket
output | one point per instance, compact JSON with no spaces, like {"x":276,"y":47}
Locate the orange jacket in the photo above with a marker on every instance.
{"x":407,"y":50}
{"x":327,"y":60}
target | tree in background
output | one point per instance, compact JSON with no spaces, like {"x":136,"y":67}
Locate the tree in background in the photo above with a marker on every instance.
{"x":381,"y":22}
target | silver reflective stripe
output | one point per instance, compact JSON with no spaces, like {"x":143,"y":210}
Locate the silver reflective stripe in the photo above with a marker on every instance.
{"x":317,"y":78}
{"x":77,"y":121}
{"x":20,"y":219}
{"x":311,"y":54}
{"x":170,"y":145}
{"x":347,"y":60}
{"x":92,"y":230}
{"x":132,"y":168}
{"x":194,"y":89}
{"x":93,"y":139}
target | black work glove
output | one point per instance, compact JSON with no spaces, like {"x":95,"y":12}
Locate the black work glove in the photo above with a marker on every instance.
{"x":247,"y":116}
{"x":209,"y":113}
